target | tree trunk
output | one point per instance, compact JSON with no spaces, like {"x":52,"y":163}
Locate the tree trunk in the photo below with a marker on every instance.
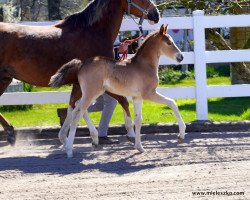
{"x":1,"y":15}
{"x":240,"y":39}
{"x":240,"y":72}
{"x":54,"y":9}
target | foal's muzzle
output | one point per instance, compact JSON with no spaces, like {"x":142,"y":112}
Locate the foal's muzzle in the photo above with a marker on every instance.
{"x":179,"y":57}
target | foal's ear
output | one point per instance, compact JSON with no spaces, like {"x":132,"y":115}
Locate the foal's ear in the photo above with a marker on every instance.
{"x":166,"y":29}
{"x":162,"y":29}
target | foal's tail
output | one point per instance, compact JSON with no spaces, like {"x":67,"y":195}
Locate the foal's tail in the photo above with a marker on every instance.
{"x":66,"y":74}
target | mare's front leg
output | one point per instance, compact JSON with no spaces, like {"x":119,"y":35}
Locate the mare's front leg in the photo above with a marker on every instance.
{"x":9,"y":129}
{"x":158,"y":98}
{"x":127,"y":116}
{"x":5,"y":81}
{"x":92,"y":129}
{"x":138,"y":121}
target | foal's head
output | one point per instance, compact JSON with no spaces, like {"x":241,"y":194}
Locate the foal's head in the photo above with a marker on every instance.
{"x":167,"y":46}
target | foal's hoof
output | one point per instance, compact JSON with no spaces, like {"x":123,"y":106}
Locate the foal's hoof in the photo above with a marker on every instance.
{"x":181,"y":137}
{"x":140,"y":149}
{"x":94,"y":145}
{"x":65,"y":142}
{"x":63,"y":139}
{"x":95,"y":142}
{"x":70,"y":154}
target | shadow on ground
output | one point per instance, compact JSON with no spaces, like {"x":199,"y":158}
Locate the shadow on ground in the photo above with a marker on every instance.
{"x":162,"y":150}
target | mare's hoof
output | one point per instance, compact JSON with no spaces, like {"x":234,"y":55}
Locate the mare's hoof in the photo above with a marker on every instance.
{"x":11,"y":137}
{"x":131,"y":139}
{"x":107,"y":141}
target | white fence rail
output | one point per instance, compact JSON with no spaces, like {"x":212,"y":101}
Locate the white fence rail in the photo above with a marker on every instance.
{"x":200,"y":57}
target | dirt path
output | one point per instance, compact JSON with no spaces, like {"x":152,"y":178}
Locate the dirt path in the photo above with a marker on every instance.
{"x":209,"y":162}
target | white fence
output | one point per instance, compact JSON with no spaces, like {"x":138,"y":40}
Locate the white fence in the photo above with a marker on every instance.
{"x":200,"y":57}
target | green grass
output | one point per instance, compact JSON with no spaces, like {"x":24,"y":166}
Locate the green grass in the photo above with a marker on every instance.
{"x":227,"y":109}
{"x":48,"y":89}
{"x":183,"y":83}
{"x":191,"y":82}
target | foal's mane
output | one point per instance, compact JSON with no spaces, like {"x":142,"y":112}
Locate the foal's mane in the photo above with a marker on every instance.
{"x":145,"y":41}
{"x":88,"y":16}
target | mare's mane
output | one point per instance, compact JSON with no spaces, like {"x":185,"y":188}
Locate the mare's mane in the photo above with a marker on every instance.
{"x":88,"y":16}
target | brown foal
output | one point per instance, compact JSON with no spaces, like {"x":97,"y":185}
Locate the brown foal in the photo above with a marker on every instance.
{"x":136,"y":77}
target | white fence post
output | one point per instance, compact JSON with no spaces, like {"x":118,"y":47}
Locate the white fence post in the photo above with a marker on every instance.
{"x":200,"y":66}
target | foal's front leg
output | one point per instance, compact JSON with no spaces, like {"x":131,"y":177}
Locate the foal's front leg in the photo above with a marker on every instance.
{"x":158,"y":98}
{"x":138,"y":120}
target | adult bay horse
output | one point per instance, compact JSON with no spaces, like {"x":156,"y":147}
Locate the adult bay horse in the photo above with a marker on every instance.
{"x":136,"y":77}
{"x":34,"y":54}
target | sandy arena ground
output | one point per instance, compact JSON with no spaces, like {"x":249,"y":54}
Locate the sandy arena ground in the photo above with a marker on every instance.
{"x":209,"y":162}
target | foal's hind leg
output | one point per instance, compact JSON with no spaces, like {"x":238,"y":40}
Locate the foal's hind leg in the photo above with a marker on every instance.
{"x":65,"y":127}
{"x":158,"y":98}
{"x":77,"y":113}
{"x":75,"y":95}
{"x":79,"y":110}
{"x":8,"y":128}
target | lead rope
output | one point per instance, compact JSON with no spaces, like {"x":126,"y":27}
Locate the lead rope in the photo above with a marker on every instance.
{"x":123,"y":47}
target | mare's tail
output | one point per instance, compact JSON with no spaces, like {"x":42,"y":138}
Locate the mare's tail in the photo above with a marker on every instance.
{"x":66,"y":74}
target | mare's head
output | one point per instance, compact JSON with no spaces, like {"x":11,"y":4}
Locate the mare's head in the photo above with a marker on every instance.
{"x":167,"y":46}
{"x":142,"y":8}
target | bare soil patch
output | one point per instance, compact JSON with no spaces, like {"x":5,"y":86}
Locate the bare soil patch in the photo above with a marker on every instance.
{"x":209,"y":162}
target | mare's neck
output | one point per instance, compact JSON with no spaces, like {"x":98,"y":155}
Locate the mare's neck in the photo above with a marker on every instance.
{"x":149,"y":54}
{"x":109,"y":24}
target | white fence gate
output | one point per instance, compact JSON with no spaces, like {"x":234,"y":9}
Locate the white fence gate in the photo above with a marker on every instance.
{"x":200,"y":57}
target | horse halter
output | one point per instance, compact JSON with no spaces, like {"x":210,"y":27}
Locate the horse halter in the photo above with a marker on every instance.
{"x":144,"y":12}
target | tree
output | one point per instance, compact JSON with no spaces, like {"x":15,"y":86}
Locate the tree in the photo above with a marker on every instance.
{"x":44,"y":10}
{"x":240,"y":39}
{"x":240,"y":72}
{"x":54,"y":9}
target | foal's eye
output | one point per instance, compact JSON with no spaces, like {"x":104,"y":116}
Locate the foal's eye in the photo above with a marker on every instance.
{"x":168,"y":41}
